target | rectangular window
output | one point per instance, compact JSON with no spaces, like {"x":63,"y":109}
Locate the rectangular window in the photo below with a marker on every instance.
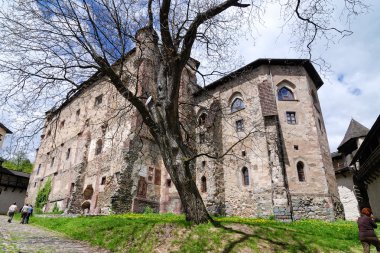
{"x":52,"y":163}
{"x":291,"y":118}
{"x":103,"y":181}
{"x":62,"y":124}
{"x":68,"y":154}
{"x":78,"y":112}
{"x":35,"y":184}
{"x":150,"y":174}
{"x":239,"y":125}
{"x":38,"y":169}
{"x":98,"y":100}
{"x":202,"y":138}
{"x":157,"y":177}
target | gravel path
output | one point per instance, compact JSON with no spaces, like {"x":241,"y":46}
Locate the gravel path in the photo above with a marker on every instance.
{"x":23,"y":238}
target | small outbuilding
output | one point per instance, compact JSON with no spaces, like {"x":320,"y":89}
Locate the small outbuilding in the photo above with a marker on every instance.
{"x":13,"y":185}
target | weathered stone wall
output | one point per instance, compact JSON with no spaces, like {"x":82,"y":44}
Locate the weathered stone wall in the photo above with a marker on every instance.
{"x":347,"y":196}
{"x":128,"y":173}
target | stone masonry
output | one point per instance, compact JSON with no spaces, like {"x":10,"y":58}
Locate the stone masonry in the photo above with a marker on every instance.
{"x":262,"y":124}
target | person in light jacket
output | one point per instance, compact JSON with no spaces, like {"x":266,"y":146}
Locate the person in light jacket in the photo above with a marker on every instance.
{"x":11,"y":211}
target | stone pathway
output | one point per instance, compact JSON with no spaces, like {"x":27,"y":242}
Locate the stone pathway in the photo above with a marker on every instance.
{"x":23,"y":238}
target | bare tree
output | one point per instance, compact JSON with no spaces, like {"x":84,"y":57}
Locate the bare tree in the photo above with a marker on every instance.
{"x":50,"y":46}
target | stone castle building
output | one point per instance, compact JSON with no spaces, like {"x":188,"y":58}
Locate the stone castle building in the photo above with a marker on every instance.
{"x":266,"y":116}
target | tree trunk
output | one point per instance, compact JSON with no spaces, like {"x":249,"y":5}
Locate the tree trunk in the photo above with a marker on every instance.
{"x":192,"y":202}
{"x":183,"y":177}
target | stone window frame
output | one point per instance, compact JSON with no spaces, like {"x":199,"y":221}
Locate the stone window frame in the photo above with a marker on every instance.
{"x":239,"y":125}
{"x":237,"y":104}
{"x":99,"y":147}
{"x":202,"y":138}
{"x":68,"y":152}
{"x":201,"y":119}
{"x":245,"y":176}
{"x":98,"y":100}
{"x":301,"y":175}
{"x":288,"y":86}
{"x":291,"y":117}
{"x":203,"y":184}
{"x":103,"y":180}
{"x":38,"y":169}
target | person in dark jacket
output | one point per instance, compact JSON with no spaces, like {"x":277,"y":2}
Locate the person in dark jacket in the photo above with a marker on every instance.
{"x":367,"y":236}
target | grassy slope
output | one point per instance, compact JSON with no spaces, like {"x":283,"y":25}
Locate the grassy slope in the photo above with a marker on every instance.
{"x":170,"y":233}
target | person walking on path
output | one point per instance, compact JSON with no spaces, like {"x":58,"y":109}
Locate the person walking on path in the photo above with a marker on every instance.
{"x":11,"y":211}
{"x":367,"y":236}
{"x":30,"y":212}
{"x":24,"y":213}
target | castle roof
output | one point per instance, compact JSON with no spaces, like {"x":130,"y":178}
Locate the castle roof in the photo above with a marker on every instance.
{"x":306,"y":63}
{"x":355,"y":130}
{"x":6,"y":129}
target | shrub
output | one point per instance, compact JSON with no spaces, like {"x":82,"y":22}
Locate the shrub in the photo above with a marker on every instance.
{"x":43,"y":196}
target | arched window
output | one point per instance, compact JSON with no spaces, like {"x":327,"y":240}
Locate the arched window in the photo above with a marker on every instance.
{"x":285,"y":94}
{"x":300,"y":172}
{"x":237,"y":105}
{"x":99,"y":147}
{"x":202,"y":119}
{"x":203,"y":184}
{"x":245,"y":175}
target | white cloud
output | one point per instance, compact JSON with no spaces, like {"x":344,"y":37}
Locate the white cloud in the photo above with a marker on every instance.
{"x":355,"y":59}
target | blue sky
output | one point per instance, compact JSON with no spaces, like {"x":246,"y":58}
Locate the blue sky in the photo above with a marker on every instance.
{"x":351,"y":88}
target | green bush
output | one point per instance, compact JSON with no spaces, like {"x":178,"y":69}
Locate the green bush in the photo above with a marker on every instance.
{"x":43,"y":196}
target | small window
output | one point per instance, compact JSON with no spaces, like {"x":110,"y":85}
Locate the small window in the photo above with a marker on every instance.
{"x":99,"y":147}
{"x":295,"y":147}
{"x":314,"y":96}
{"x":103,"y":182}
{"x":285,"y":94}
{"x":98,"y":100}
{"x":203,"y":184}
{"x":245,"y":175}
{"x":300,"y":172}
{"x":202,"y":138}
{"x":239,"y":125}
{"x":49,"y":133}
{"x":157,"y":177}
{"x":72,"y":187}
{"x":291,"y":118}
{"x":52,"y":162}
{"x":243,"y":153}
{"x":117,"y":176}
{"x":35,"y":184}
{"x":203,"y":163}
{"x":237,"y":105}
{"x":168,"y":183}
{"x":320,"y":125}
{"x":78,"y":112}
{"x":62,"y":124}
{"x":150,"y":174}
{"x":38,"y":169}
{"x":87,"y":122}
{"x":68,"y":153}
{"x":202,"y":119}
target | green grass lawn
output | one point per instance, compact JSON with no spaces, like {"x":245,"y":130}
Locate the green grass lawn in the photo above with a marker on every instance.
{"x":170,"y":233}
